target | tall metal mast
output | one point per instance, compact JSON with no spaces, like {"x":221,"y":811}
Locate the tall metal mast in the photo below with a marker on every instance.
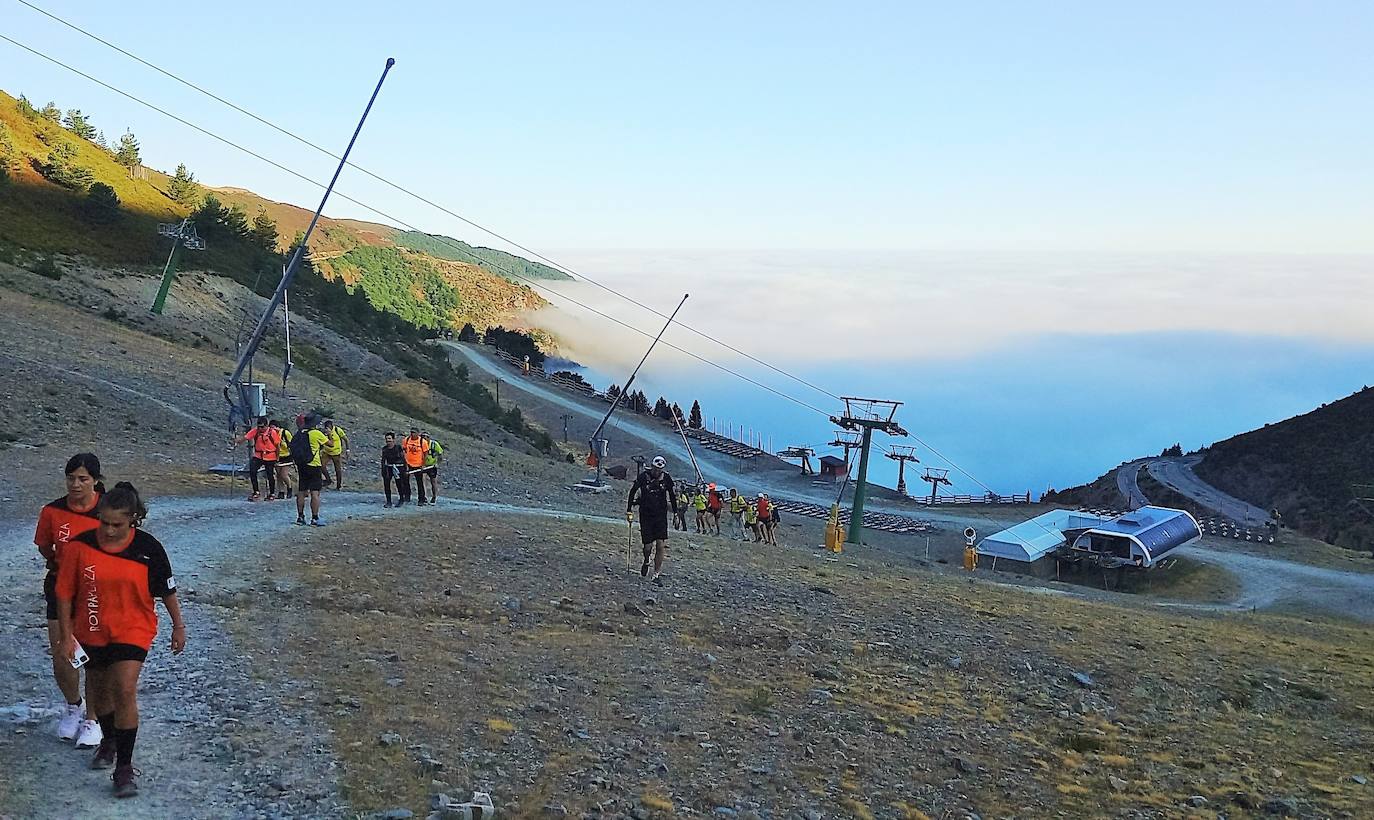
{"x":251,"y":348}
{"x":596,"y":443}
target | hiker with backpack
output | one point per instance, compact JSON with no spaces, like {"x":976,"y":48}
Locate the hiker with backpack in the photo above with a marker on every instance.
{"x":306,"y":451}
{"x":284,"y":463}
{"x":653,"y":493}
{"x":266,"y":441}
{"x":414,"y":448}
{"x":434,"y":453}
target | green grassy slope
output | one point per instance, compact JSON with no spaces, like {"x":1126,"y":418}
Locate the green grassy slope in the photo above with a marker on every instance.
{"x":38,"y":216}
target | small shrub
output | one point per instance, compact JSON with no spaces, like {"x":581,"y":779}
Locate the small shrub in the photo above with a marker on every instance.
{"x":759,"y":701}
{"x":45,"y":266}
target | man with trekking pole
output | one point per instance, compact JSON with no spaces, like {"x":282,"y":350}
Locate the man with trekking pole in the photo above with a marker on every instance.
{"x":653,"y":491}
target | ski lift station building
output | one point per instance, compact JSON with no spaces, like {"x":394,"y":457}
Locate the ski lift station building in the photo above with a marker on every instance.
{"x":1140,"y":539}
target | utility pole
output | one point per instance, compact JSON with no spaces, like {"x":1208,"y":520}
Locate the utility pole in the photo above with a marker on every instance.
{"x":936,"y":478}
{"x":183,"y":235}
{"x":567,"y":417}
{"x":902,"y":453}
{"x":865,"y":416}
{"x":803,"y":453}
{"x":498,"y":392}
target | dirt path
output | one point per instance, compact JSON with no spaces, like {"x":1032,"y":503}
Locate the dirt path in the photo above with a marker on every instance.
{"x":1127,"y":483}
{"x":720,"y":467}
{"x":1267,"y":583}
{"x":215,"y":742}
{"x":1178,"y":475}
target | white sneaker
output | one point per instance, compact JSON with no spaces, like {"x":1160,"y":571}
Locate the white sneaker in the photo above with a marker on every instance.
{"x":70,"y":723}
{"x":90,"y":735}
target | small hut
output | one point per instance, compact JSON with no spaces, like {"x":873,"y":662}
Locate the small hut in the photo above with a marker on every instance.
{"x":833,"y":468}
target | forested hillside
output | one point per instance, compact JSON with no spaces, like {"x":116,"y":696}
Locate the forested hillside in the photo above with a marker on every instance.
{"x":508,"y":265}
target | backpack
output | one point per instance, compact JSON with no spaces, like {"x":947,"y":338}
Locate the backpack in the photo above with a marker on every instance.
{"x":301,"y":451}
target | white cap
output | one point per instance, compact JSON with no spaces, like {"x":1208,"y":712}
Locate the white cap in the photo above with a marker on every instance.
{"x":659,"y":462}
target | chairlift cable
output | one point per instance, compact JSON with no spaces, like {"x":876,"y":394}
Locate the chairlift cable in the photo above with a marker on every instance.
{"x":455,"y":246}
{"x":409,"y":226}
{"x":419,"y":197}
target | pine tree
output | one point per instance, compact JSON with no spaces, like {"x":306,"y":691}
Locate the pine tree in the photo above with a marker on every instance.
{"x":62,"y":167}
{"x":468,"y":333}
{"x":26,"y":108}
{"x":78,"y":124}
{"x":662,"y":409}
{"x":265,"y":231}
{"x":694,"y":420}
{"x":613,"y":392}
{"x":183,"y":188}
{"x":51,"y":112}
{"x":236,"y":221}
{"x":101,"y":205}
{"x":127,"y":152}
{"x":677,"y":411}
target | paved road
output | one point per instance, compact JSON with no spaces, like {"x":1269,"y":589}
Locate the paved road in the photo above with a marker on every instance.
{"x":1127,"y":484}
{"x":1177,"y":474}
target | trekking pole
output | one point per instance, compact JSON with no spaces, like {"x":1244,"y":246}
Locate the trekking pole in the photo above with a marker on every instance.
{"x":629,"y":540}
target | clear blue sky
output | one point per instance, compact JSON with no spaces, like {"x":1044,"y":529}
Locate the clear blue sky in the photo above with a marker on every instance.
{"x":1230,"y":126}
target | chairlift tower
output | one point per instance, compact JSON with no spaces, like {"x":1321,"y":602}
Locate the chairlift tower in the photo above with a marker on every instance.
{"x":849,"y":441}
{"x":902,"y":453}
{"x":936,"y":477}
{"x":864,"y":416}
{"x":183,"y":235}
{"x":803,"y":453}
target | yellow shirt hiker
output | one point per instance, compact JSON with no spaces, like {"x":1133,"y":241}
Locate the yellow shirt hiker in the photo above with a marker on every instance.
{"x":434,"y":453}
{"x":317,"y":440}
{"x":335,"y":445}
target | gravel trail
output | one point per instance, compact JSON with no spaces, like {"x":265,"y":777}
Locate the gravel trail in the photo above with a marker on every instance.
{"x":214,"y":742}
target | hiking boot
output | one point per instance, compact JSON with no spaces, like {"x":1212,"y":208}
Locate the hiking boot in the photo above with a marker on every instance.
{"x":644,"y":569}
{"x":387,"y":505}
{"x":315,"y":522}
{"x":126,"y":781}
{"x":300,"y":520}
{"x":104,"y":754}
{"x":658,"y":580}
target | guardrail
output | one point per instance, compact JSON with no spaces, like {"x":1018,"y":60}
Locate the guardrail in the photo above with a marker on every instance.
{"x":985,"y":498}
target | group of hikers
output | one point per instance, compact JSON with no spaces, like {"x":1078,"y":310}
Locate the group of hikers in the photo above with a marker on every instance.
{"x":104,"y":575}
{"x":758,"y":518}
{"x":317,"y":450}
{"x":656,"y":494}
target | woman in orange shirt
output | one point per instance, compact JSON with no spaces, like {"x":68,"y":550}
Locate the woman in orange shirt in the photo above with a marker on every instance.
{"x":58,"y":523}
{"x":107,"y":581}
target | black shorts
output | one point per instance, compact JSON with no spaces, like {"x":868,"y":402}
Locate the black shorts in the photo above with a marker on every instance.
{"x":312,"y":478}
{"x":653,"y":526}
{"x":103,"y":656}
{"x":50,"y":593}
{"x":431,"y":471}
